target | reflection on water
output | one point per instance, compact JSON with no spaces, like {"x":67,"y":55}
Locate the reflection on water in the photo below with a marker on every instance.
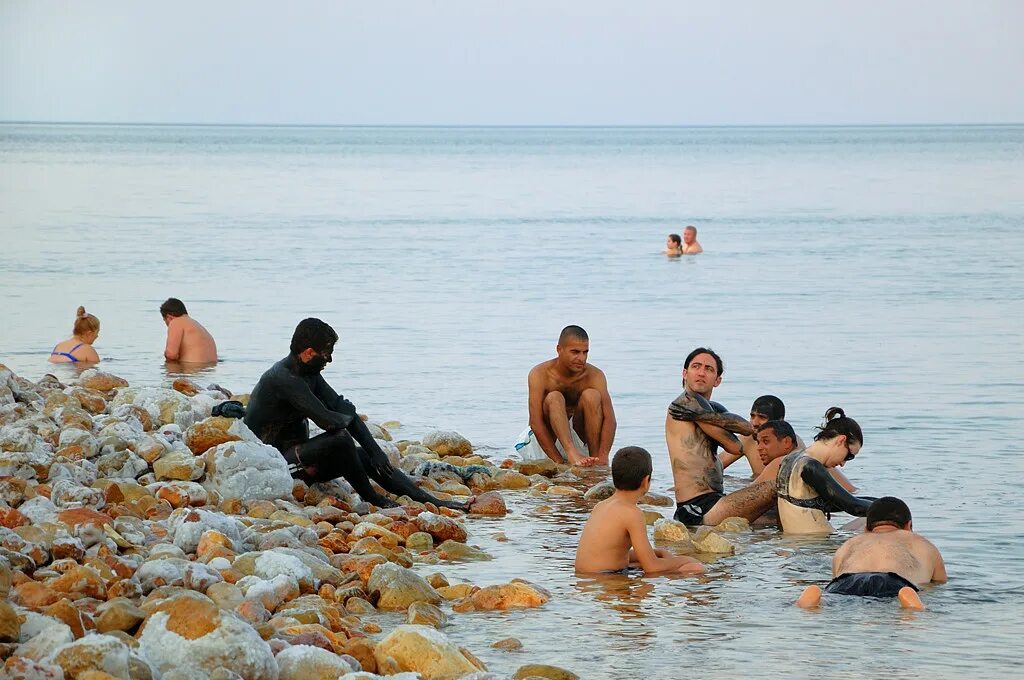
{"x":193,"y":369}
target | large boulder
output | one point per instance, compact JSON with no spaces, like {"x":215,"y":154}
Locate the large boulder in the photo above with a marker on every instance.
{"x":423,"y":650}
{"x":188,"y":632}
{"x":517,"y":594}
{"x":103,"y":653}
{"x":248,"y":469}
{"x":95,"y":379}
{"x":186,"y":526}
{"x":165,"y":406}
{"x":396,"y":587}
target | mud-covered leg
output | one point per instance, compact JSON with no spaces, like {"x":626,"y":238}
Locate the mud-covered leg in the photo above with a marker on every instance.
{"x":397,"y":482}
{"x":749,"y":503}
{"x":332,"y":455}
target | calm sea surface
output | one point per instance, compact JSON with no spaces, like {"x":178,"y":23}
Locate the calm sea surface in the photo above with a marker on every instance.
{"x":874,"y":268}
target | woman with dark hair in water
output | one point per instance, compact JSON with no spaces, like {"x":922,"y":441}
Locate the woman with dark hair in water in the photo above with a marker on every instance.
{"x":78,"y":348}
{"x":807,"y":493}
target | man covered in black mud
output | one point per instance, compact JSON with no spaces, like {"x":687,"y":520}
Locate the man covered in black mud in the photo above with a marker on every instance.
{"x":293,"y":392}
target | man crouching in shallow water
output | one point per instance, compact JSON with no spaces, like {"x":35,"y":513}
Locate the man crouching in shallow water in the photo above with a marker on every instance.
{"x":694,"y":428}
{"x":293,"y":392}
{"x":887,"y":560}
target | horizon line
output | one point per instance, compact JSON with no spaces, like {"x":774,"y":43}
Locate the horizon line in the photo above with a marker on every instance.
{"x":503,"y":125}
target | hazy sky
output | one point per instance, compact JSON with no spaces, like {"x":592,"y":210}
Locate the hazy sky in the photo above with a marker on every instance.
{"x":533,"y":62}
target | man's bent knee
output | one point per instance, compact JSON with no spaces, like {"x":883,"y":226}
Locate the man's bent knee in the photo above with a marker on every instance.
{"x":590,"y":398}
{"x":554,"y":400}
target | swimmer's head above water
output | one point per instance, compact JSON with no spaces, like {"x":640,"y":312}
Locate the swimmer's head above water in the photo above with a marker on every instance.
{"x":690,"y":234}
{"x":766,"y":407}
{"x":889,"y":511}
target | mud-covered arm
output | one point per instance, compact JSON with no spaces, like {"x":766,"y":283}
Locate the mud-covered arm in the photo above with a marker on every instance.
{"x":355,"y":426}
{"x":696,"y":409}
{"x":311,"y":405}
{"x":817,"y":477}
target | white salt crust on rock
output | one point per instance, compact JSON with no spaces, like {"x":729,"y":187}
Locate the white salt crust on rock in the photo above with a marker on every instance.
{"x":305,"y":662}
{"x":247,"y":469}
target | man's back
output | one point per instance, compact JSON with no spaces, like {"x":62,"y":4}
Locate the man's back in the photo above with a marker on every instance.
{"x":194,"y":342}
{"x":900,"y":551}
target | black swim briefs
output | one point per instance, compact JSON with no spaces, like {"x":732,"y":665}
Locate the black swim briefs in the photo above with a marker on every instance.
{"x":869,"y":584}
{"x":692,"y":512}
{"x":626,"y":571}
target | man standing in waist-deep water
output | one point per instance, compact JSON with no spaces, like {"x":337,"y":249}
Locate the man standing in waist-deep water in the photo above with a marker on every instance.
{"x":293,"y":392}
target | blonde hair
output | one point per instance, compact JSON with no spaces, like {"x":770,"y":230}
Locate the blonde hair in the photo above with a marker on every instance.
{"x":85,"y":323}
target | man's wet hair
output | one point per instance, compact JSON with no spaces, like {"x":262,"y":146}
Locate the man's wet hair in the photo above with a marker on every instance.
{"x":837,"y":423}
{"x":173,"y":307}
{"x":675,"y":238}
{"x":629,"y":467}
{"x":888,"y":510}
{"x":572,"y":333}
{"x":781,"y":428}
{"x":313,"y":334}
{"x":705,"y":350}
{"x":689,"y":227}
{"x":769,"y":406}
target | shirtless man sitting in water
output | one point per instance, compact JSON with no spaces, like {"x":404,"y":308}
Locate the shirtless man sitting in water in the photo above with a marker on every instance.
{"x":614,"y":540}
{"x":694,"y":428}
{"x":570,"y":407}
{"x":887,"y":560}
{"x":690,"y":244}
{"x":187,"y":340}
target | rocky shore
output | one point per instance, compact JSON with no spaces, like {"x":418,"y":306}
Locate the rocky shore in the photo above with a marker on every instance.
{"x":141,"y":537}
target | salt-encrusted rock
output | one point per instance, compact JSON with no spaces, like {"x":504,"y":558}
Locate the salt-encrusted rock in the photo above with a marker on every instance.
{"x":733,"y":525}
{"x":671,"y":530}
{"x":440,"y":527}
{"x":118,"y":614}
{"x":423,"y":650}
{"x":396,"y":587}
{"x":304,"y":662}
{"x":179,"y":464}
{"x":165,"y":406}
{"x":92,"y":653}
{"x":538,"y":670}
{"x":176,"y":572}
{"x":95,"y":379}
{"x":267,"y":564}
{"x":39,"y":509}
{"x":66,"y":494}
{"x":707,"y":541}
{"x":248,"y":469}
{"x":185,"y":527}
{"x":271,"y":593}
{"x":182,"y":494}
{"x":214,"y":431}
{"x":419,"y":540}
{"x":446,"y":443}
{"x":517,"y":594}
{"x":189,"y":632}
{"x":23,"y":668}
{"x":600,"y":491}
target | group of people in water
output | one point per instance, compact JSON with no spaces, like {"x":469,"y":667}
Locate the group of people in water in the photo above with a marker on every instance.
{"x":572,"y":419}
{"x":187,"y":340}
{"x":796,"y":485}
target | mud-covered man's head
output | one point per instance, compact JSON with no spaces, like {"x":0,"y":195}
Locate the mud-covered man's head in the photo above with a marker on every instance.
{"x":702,"y":371}
{"x":313,"y":344}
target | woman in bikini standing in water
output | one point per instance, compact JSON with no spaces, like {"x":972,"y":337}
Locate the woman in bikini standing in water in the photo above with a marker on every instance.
{"x":78,"y":348}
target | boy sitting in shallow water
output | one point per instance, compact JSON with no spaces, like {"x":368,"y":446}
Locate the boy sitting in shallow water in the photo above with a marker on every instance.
{"x":615,"y":536}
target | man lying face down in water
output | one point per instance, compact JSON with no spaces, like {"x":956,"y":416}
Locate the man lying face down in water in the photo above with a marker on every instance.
{"x":293,"y":392}
{"x":614,"y":540}
{"x":887,"y":560}
{"x":694,"y":428}
{"x":807,"y":491}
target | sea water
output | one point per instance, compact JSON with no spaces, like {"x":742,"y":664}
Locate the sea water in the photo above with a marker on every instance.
{"x":874,"y":268}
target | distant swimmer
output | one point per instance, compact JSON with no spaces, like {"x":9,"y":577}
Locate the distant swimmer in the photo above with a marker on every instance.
{"x":78,"y":348}
{"x":887,"y":560}
{"x":806,"y":491}
{"x":187,"y":340}
{"x":571,"y":414}
{"x":673,"y":246}
{"x":694,"y":428}
{"x":292,"y":392}
{"x":614,"y":539}
{"x":690,"y":244}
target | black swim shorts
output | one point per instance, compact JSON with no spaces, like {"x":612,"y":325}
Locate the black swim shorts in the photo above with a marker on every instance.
{"x":869,"y":584}
{"x":692,"y":512}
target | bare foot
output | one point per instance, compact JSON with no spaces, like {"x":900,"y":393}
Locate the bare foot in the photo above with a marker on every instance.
{"x":810,"y":598}
{"x":909,"y":599}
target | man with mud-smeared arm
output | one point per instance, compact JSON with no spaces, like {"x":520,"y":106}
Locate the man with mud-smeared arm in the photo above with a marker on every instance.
{"x":570,"y":407}
{"x":694,"y":428}
{"x":293,"y":392}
